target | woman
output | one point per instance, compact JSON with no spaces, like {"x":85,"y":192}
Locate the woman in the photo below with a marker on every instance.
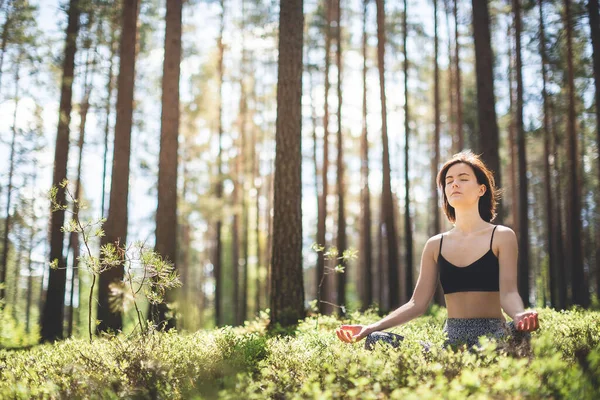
{"x":476,"y":262}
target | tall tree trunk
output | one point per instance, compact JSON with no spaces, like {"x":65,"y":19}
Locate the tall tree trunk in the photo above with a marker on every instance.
{"x":523,"y":275}
{"x":451,"y":85}
{"x":551,"y":244}
{"x":5,"y":29}
{"x":287,"y":295}
{"x":269,"y":247}
{"x":512,"y":146}
{"x":29,"y":260}
{"x":256,"y":183}
{"x":407,"y":218}
{"x":435,"y":227}
{"x":341,"y":232}
{"x":52,"y":316}
{"x":183,"y":253}
{"x":366,"y":245}
{"x":574,"y":238}
{"x":74,"y":236}
{"x":323,"y":295}
{"x":387,"y":202}
{"x":488,"y":125}
{"x":107,"y":108}
{"x":245,"y":195}
{"x":561,"y":255}
{"x":595,"y":33}
{"x":245,"y":248}
{"x":313,"y":122}
{"x":17,"y":270}
{"x":217,"y":258}
{"x":259,"y":248}
{"x":459,"y":112}
{"x":166,"y":211}
{"x":235,"y":232}
{"x":116,"y":224}
{"x":242,"y":262}
{"x":11,"y":170}
{"x":9,"y":195}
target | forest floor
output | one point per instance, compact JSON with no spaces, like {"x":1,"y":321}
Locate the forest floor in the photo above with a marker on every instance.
{"x":561,"y":361}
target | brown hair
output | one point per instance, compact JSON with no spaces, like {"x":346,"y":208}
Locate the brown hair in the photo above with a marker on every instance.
{"x":487,"y":202}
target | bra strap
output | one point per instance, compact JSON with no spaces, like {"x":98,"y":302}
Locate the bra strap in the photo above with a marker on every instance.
{"x":441,"y":241}
{"x":492,"y":239}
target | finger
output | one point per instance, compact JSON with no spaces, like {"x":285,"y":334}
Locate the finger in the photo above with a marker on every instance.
{"x":532,"y":322}
{"x":348,"y":336}
{"x":536,"y":323}
{"x":520,"y":326}
{"x":527,"y":323}
{"x":339,"y":335}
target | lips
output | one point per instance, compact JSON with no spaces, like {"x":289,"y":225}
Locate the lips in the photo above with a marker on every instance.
{"x":453,"y":193}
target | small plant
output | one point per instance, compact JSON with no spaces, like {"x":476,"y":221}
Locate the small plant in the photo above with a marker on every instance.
{"x":331,"y":253}
{"x":144,"y":270}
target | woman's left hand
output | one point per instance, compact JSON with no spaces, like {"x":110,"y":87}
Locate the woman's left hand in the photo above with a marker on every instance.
{"x":527,"y":321}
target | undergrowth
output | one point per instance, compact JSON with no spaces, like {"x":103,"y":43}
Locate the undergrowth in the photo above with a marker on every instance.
{"x":563,"y":361}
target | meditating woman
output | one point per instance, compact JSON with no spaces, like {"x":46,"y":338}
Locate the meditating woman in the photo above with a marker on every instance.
{"x":476,"y":262}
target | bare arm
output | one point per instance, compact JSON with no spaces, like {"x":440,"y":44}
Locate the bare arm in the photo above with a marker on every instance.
{"x":422,"y":294}
{"x":510,"y":300}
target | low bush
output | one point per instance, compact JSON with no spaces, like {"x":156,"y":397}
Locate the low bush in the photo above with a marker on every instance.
{"x":563,"y":361}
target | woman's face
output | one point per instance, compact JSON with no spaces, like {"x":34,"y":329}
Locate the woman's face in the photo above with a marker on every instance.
{"x":461,"y":186}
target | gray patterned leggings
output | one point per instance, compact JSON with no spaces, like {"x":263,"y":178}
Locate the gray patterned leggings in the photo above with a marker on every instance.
{"x":459,"y":330}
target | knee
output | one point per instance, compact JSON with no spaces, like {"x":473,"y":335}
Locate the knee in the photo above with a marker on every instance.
{"x":385,"y":337}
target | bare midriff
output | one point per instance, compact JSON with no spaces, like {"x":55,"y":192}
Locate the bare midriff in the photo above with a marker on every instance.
{"x":474,"y":305}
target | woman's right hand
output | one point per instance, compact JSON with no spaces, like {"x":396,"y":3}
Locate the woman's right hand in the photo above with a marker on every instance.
{"x":353,"y":333}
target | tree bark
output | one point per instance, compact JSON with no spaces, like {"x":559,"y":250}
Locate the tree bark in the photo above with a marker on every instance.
{"x":594,"y":19}
{"x":341,"y":232}
{"x":166,"y":211}
{"x":488,"y":125}
{"x":74,"y":236}
{"x":457,"y":79}
{"x":512,"y":146}
{"x":29,"y":262}
{"x":523,"y":274}
{"x":574,"y":237}
{"x":551,"y":244}
{"x":366,"y":245}
{"x":217,"y":258}
{"x":116,"y":224}
{"x":107,"y":108}
{"x":451,"y":85}
{"x":407,"y":217}
{"x":9,"y":190}
{"x":321,"y":280}
{"x":435,"y":227}
{"x":387,"y":202}
{"x":561,"y":255}
{"x":4,"y":43}
{"x":52,"y":316}
{"x":287,"y":295}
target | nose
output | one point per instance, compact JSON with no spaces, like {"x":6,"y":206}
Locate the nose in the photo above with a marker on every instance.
{"x":454,"y":184}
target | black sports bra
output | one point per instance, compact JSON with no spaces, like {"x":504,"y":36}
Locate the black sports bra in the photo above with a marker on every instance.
{"x":482,"y":275}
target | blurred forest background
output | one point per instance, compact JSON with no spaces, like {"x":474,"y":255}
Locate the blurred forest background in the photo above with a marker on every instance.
{"x":164,"y":117}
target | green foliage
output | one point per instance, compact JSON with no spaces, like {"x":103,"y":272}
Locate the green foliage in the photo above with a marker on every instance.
{"x":13,"y":333}
{"x":144,"y":270}
{"x":249,"y":362}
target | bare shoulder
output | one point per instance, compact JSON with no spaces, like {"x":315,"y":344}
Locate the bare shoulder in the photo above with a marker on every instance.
{"x":432,"y":246}
{"x":434,"y":241}
{"x":504,"y":236}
